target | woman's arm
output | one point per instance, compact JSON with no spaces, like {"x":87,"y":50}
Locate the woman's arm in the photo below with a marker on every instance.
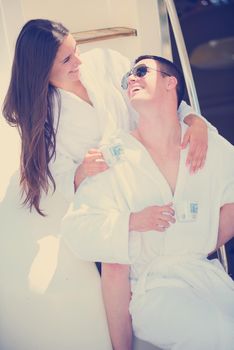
{"x":68,"y":175}
{"x":92,"y":164}
{"x":196,"y":136}
{"x":186,"y":110}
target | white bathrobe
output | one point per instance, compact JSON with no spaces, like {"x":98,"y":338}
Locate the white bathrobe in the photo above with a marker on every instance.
{"x":181,"y":300}
{"x":48,"y":297}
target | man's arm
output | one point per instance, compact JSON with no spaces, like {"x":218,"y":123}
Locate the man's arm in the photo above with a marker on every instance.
{"x":97,"y":229}
{"x":96,"y":226}
{"x":226,"y":224}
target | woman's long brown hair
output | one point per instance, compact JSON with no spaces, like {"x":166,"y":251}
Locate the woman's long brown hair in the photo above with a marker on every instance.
{"x":29,"y":103}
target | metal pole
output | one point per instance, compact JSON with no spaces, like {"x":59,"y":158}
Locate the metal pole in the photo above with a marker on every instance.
{"x":222,"y":256}
{"x":183,"y":55}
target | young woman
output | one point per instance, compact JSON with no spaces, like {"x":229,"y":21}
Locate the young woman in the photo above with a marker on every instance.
{"x":64,"y":107}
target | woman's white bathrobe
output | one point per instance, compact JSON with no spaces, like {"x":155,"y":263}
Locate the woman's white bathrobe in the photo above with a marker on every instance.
{"x":49,"y":299}
{"x":181,"y":300}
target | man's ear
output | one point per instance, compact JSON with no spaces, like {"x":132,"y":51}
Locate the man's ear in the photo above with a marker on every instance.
{"x":171,"y":83}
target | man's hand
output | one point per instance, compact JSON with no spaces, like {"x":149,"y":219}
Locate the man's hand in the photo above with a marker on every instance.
{"x":197,"y":138}
{"x":157,"y":218}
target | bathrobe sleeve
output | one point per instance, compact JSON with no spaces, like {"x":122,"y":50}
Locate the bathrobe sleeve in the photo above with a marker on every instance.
{"x":96,"y":226}
{"x":76,"y":132}
{"x":185,"y":109}
{"x":226,"y":169}
{"x":63,"y":170}
{"x":62,"y":165}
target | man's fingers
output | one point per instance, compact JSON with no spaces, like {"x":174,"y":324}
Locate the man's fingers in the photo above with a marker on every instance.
{"x":167,"y":210}
{"x":159,"y":228}
{"x":163,"y":223}
{"x":168,"y":218}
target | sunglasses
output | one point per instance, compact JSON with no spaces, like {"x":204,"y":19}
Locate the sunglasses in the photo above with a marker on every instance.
{"x":138,"y":71}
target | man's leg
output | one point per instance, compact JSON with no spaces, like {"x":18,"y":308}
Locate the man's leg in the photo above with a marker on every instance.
{"x":116,"y":295}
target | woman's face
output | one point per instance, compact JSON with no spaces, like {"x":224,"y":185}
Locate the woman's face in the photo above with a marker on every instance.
{"x":66,"y":64}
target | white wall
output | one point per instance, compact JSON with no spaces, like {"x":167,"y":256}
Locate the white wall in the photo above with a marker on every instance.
{"x":10,"y":22}
{"x":93,"y":14}
{"x":77,"y":15}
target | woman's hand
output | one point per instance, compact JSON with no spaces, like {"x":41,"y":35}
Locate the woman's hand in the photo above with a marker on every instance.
{"x":92,"y":164}
{"x":157,"y":218}
{"x":197,"y":136}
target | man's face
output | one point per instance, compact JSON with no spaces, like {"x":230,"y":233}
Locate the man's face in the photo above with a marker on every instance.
{"x":148,"y":87}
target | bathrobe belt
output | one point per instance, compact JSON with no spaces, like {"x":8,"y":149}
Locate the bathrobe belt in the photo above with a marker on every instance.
{"x":177,"y":271}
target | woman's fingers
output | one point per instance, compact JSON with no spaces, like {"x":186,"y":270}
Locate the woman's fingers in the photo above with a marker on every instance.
{"x":92,"y":157}
{"x":96,"y":169}
{"x":198,"y":145}
{"x":94,"y":163}
{"x":198,"y":160}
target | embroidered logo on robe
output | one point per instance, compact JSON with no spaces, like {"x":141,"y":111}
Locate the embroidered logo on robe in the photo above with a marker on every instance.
{"x":186,"y":210}
{"x":113,"y":152}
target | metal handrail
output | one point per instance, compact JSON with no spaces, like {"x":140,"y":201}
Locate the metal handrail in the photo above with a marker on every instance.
{"x":183,"y":55}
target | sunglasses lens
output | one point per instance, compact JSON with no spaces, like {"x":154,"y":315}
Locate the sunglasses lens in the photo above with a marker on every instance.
{"x":140,"y":71}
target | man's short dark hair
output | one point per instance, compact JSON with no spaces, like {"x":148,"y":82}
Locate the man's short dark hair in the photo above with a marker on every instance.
{"x":171,"y":69}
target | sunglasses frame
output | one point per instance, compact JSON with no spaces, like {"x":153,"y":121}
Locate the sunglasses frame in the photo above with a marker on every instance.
{"x":136,"y":72}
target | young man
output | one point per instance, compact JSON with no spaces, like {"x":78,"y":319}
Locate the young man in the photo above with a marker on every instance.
{"x":180,"y":299}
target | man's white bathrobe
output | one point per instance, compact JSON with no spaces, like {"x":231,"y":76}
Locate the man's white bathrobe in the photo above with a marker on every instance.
{"x":181,"y":300}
